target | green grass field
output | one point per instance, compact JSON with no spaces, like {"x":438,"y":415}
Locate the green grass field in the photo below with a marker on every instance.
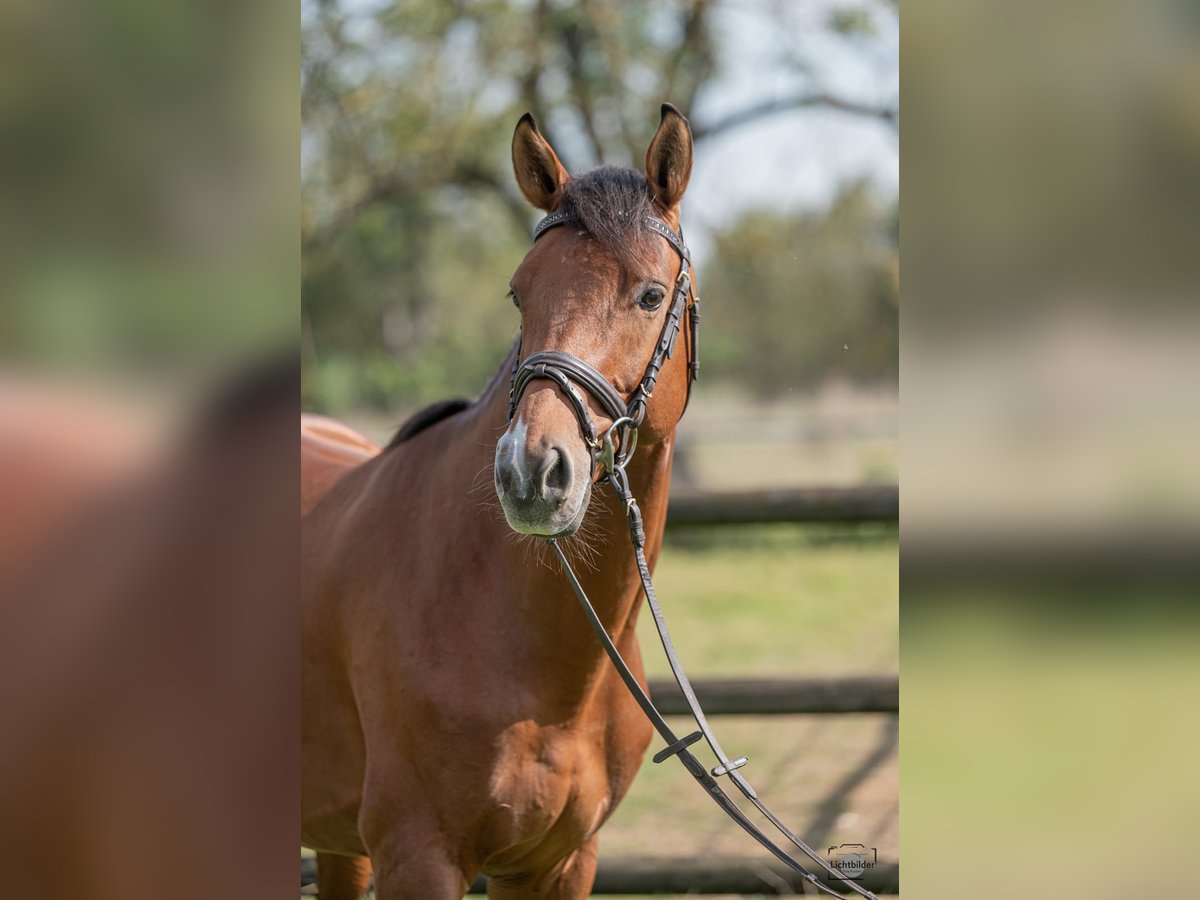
{"x":774,"y":601}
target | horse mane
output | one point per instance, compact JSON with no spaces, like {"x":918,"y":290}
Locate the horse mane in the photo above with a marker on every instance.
{"x":444,"y":409}
{"x":427,"y":418}
{"x":611,"y":203}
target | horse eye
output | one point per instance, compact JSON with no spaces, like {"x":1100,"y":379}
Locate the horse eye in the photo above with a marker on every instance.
{"x":512,"y":295}
{"x":651,"y":299}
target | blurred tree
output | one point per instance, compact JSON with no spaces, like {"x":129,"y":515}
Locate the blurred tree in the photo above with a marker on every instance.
{"x":411,"y":222}
{"x":805,"y":297}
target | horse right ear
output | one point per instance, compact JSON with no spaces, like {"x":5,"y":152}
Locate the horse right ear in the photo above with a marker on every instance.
{"x":540,"y":175}
{"x":669,"y":158}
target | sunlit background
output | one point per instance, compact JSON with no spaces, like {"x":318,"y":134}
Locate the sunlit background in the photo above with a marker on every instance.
{"x":412,"y":222}
{"x":1051,"y":432}
{"x":412,"y":225}
{"x":148,"y":277}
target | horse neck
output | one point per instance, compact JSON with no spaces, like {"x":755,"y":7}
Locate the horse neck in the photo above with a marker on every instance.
{"x":601,"y":554}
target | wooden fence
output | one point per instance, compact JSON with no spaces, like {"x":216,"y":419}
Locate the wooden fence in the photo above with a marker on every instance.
{"x":847,"y":505}
{"x":782,"y":696}
{"x":713,"y":875}
{"x":717,"y":875}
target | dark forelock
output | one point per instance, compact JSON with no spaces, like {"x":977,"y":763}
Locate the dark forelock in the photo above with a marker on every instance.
{"x":611,"y":203}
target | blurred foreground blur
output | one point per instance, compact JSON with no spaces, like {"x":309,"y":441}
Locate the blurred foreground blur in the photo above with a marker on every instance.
{"x":1051,"y":499}
{"x":148,"y":388}
{"x":147,"y":658}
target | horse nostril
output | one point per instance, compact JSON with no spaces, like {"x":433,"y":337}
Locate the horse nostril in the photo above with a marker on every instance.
{"x":556,"y":475}
{"x":508,"y":478}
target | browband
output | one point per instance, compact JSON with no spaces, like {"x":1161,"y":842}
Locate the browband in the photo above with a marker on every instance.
{"x":656,"y":225}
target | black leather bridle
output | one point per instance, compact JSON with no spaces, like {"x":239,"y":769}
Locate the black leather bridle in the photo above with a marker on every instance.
{"x":613,"y":451}
{"x":615,"y":448}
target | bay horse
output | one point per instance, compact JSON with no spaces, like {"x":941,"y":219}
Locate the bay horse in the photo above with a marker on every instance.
{"x":459,"y":715}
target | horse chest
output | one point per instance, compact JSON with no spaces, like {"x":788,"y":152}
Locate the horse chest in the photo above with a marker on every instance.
{"x":548,"y":787}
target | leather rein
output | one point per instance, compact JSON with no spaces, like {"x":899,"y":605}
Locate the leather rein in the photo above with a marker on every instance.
{"x":613,"y":451}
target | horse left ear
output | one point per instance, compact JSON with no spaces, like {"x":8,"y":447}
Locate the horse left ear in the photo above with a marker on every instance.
{"x":540,"y":176}
{"x":669,"y":158}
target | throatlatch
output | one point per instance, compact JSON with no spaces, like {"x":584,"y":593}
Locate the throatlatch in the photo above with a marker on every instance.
{"x":614,"y":451}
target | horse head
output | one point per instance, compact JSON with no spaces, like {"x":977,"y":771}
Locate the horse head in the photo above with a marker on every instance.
{"x":595,"y":294}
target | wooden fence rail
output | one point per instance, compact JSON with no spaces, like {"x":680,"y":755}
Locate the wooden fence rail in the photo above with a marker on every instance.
{"x":716,"y":875}
{"x":782,"y":696}
{"x":847,"y":505}
{"x":711,"y":875}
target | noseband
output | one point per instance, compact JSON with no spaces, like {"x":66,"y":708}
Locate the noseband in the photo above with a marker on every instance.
{"x":615,"y":448}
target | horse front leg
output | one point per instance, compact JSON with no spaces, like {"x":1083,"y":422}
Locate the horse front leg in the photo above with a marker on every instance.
{"x":416,"y":869}
{"x":342,"y":877}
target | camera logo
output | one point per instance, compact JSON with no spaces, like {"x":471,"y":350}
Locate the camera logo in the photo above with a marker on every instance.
{"x":851,"y":860}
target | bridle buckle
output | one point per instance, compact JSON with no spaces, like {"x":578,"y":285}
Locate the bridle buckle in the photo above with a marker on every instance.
{"x":607,"y":455}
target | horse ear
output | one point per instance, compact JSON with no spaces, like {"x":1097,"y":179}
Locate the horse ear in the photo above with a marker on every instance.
{"x":669,"y":158}
{"x":540,"y":175}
